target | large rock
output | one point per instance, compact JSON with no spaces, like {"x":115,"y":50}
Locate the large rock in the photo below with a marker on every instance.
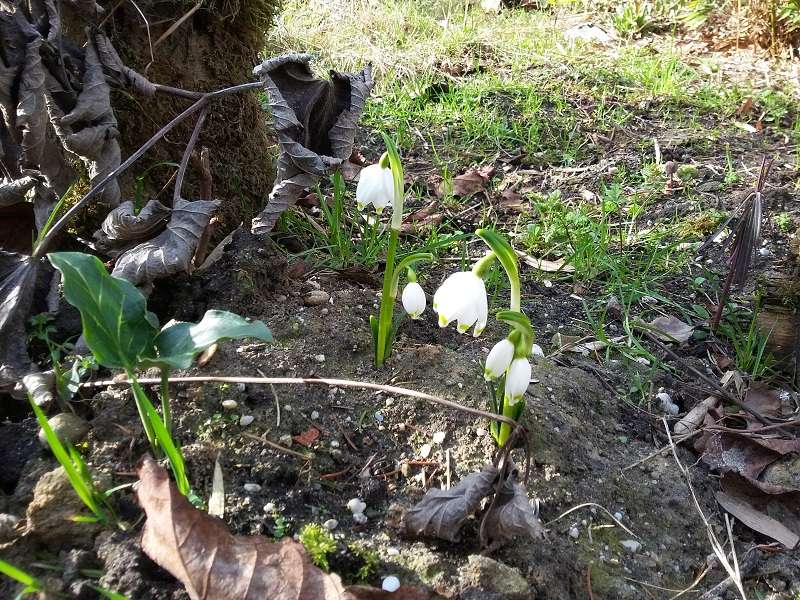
{"x":493,"y":579}
{"x":50,"y":514}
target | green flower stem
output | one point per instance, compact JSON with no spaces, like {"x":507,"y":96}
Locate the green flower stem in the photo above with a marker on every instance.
{"x":165,"y":410}
{"x":481,"y":268}
{"x":405,"y":265}
{"x":387,"y":302}
{"x":505,"y":254}
{"x":505,"y":429}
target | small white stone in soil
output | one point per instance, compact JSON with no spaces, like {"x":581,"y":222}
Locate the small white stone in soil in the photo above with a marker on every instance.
{"x":241,"y":387}
{"x":320,"y":358}
{"x":548,"y":283}
{"x":252,"y":488}
{"x":390,"y":584}
{"x":325,"y":311}
{"x":392,"y":551}
{"x":270,"y":507}
{"x":330,"y":524}
{"x":314,"y":414}
{"x":438,"y":437}
{"x":245,"y":420}
{"x":631,"y":546}
{"x":285,"y":440}
{"x":229,"y":404}
{"x":379,"y":417}
{"x":765,"y":252}
{"x":360,"y":518}
{"x":480,"y":432}
{"x":425,"y":451}
{"x":618,"y":516}
{"x":334,"y":444}
{"x":536,"y":351}
{"x":356,"y":506}
{"x":288,"y":408}
{"x":574,"y":533}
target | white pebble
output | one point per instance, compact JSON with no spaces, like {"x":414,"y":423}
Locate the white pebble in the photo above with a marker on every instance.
{"x":618,"y":516}
{"x":360,"y":518}
{"x":320,"y":358}
{"x":765,"y":252}
{"x":574,"y":533}
{"x":631,"y":546}
{"x":314,"y":414}
{"x":547,"y":283}
{"x":480,"y":432}
{"x":390,"y":584}
{"x":425,"y":451}
{"x":245,"y":420}
{"x":379,"y":417}
{"x":285,"y":440}
{"x":438,"y":437}
{"x":330,"y":524}
{"x":241,"y":387}
{"x":392,"y":551}
{"x":288,"y":408}
{"x":270,"y":507}
{"x":229,"y":404}
{"x":356,"y":506}
{"x":334,"y":444}
{"x":252,"y":488}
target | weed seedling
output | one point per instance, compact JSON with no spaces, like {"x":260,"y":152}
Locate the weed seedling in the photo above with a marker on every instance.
{"x":122,"y":334}
{"x":318,"y":543}
{"x":30,"y":583}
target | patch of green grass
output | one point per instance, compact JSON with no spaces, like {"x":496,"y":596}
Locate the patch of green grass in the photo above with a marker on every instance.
{"x":750,"y":355}
{"x":369,"y":559}
{"x":318,"y":543}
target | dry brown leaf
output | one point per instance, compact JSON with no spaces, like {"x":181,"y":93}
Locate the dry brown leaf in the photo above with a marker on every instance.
{"x":308,"y":437}
{"x":426,"y":215}
{"x":442,"y":512}
{"x":511,"y":199}
{"x":670,"y":329}
{"x":471,"y":182}
{"x":512,"y":514}
{"x":213,"y":564}
{"x":547,"y":266}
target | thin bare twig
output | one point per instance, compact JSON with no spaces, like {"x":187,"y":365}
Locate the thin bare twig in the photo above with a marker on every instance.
{"x":272,"y":444}
{"x":175,"y":26}
{"x":347,"y":383}
{"x":187,"y":153}
{"x":586,"y":504}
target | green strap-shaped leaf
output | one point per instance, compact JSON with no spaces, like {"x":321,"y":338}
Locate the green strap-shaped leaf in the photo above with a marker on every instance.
{"x":179,"y":342}
{"x":116,"y":324}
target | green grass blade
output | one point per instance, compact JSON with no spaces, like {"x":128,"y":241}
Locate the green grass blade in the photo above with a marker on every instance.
{"x":32,"y":584}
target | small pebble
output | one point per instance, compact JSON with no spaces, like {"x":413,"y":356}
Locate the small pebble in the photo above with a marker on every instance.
{"x":425,"y":451}
{"x":330,"y":524}
{"x":765,"y":252}
{"x":356,"y":506}
{"x":392,"y":551}
{"x":379,"y":417}
{"x":288,"y":408}
{"x":618,"y":516}
{"x":360,"y":518}
{"x":438,"y":437}
{"x":390,"y":584}
{"x":252,"y":488}
{"x":320,"y":358}
{"x":480,"y":432}
{"x":245,"y":420}
{"x":315,"y":414}
{"x":334,"y":444}
{"x":285,"y":440}
{"x":270,"y":507}
{"x":229,"y":404}
{"x":548,"y":283}
{"x":324,"y":311}
{"x":241,"y":387}
{"x":574,"y":533}
{"x":631,"y":546}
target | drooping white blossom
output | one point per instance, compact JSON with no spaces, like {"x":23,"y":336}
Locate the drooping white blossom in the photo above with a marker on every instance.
{"x":414,"y":300}
{"x":500,"y":357}
{"x":375,"y":187}
{"x":462,"y":298}
{"x":518,"y":377}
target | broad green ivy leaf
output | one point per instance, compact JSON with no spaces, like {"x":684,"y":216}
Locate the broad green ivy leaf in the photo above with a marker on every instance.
{"x":117,"y":326}
{"x":179,"y":342}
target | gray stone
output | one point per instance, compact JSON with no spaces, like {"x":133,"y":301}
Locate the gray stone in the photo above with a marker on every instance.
{"x":69,"y":428}
{"x":8,"y":524}
{"x":631,"y":546}
{"x":50,"y":515}
{"x":316,"y":298}
{"x":494,"y":577}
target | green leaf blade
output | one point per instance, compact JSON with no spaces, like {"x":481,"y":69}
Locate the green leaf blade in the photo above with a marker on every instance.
{"x":179,"y":342}
{"x":116,"y":325}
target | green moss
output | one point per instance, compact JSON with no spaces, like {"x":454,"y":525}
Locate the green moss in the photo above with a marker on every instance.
{"x":369,"y":561}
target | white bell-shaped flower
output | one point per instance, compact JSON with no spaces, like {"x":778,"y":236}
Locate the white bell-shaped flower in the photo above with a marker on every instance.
{"x":414,"y":301}
{"x":518,"y":377}
{"x":462,"y":298}
{"x":375,"y":186}
{"x":499,"y":359}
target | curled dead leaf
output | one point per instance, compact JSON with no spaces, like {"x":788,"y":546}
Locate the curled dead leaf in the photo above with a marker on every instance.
{"x":511,"y":515}
{"x":124,"y":225}
{"x":171,"y":251}
{"x":670,"y":329}
{"x":213,"y":564}
{"x":441,"y":513}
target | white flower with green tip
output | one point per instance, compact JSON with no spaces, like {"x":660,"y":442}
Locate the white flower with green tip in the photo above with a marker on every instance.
{"x":414,"y":301}
{"x":375,"y":187}
{"x":462,"y":298}
{"x":499,"y":359}
{"x":518,"y":377}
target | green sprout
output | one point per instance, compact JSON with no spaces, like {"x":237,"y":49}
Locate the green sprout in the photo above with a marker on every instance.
{"x":318,"y":543}
{"x":122,"y":334}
